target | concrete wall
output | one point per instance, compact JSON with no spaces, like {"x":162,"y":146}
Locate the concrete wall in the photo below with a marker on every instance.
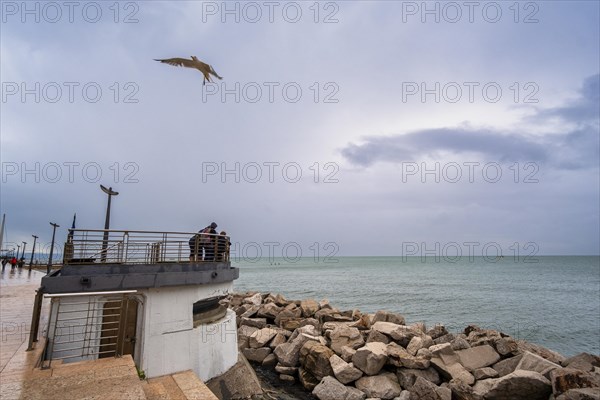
{"x":170,"y":343}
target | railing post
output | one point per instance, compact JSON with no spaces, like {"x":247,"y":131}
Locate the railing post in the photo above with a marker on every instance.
{"x":227,"y":248}
{"x":126,"y":241}
{"x":35,"y":318}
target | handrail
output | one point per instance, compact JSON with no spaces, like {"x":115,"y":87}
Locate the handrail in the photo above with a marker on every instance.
{"x":84,"y":246}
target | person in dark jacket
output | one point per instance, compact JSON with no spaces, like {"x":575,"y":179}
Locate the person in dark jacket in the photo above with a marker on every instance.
{"x":203,"y":242}
{"x":208,"y":241}
{"x":223,"y":244}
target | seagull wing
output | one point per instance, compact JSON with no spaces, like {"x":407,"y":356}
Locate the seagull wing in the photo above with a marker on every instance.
{"x":178,"y":62}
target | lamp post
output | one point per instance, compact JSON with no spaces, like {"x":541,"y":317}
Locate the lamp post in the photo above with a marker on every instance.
{"x":110,"y":193}
{"x":32,"y":252}
{"x":54,"y":226}
{"x":21,"y":260}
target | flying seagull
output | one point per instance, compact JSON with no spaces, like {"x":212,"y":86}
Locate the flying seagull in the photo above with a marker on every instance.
{"x":206,"y":69}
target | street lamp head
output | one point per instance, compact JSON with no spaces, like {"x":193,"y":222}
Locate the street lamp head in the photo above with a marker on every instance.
{"x":108,"y":191}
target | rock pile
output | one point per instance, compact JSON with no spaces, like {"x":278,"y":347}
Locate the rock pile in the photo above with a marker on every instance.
{"x":349,"y":355}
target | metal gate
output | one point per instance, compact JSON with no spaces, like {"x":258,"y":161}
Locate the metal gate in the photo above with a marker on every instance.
{"x":88,"y":326}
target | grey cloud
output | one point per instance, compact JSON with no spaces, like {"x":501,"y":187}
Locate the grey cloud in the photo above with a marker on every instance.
{"x":429,"y":142}
{"x":584,"y":110}
{"x":576,"y":149}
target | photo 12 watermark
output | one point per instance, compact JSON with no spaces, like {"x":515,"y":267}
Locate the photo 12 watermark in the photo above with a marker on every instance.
{"x":269,"y":172}
{"x":70,"y":92}
{"x":271,"y":92}
{"x":454,"y":252}
{"x":276,"y":252}
{"x":253,"y":12}
{"x":53,"y":12}
{"x":452,"y":12}
{"x":469,"y":172}
{"x":469,"y":92}
{"x":70,"y":172}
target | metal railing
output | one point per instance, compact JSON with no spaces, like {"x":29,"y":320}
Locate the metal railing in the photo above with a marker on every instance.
{"x":85,"y":246}
{"x":88,"y":326}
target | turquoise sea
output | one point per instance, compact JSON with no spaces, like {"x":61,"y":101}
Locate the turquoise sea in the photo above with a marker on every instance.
{"x":554,"y":302}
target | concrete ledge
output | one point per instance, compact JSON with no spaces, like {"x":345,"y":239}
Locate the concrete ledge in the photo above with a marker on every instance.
{"x":123,"y":277}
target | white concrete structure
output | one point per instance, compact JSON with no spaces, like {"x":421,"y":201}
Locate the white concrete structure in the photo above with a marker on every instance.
{"x":170,"y":343}
{"x":114,"y":300}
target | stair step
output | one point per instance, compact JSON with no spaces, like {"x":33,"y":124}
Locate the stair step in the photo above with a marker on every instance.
{"x":170,"y":387}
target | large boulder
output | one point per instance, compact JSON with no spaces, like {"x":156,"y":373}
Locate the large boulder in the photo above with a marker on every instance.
{"x":376,"y":336}
{"x":447,"y":338}
{"x":485,"y":373}
{"x":248,"y":311}
{"x":400,"y":333}
{"x":425,"y":390}
{"x":288,"y":353}
{"x":345,"y":336}
{"x":277,"y":340}
{"x":309,"y":307}
{"x":383,"y":386}
{"x":437,"y":331}
{"x":477,"y":336}
{"x":566,"y":379}
{"x":580,"y":394}
{"x":314,"y":357}
{"x":347,"y":353}
{"x":478,"y":357}
{"x":506,"y":346}
{"x":507,"y":365}
{"x":261,"y":337}
{"x":269,"y":311}
{"x":244,"y":333}
{"x":332,"y":325}
{"x":288,"y":314}
{"x":415,"y":344}
{"x":330,"y":389}
{"x":462,"y":391}
{"x":533,"y":362}
{"x":543,"y":352}
{"x":269,"y":361}
{"x":343,"y":371}
{"x":408,"y":376}
{"x":582,"y":361}
{"x":307,"y":379}
{"x":459,"y":343}
{"x":236,"y":299}
{"x":257,"y":355}
{"x":363,"y":322}
{"x":326,"y":314}
{"x":519,"y":385}
{"x":254,"y":322}
{"x":255,"y":299}
{"x":239,"y":382}
{"x":446,"y":361}
{"x":399,"y":357}
{"x":386,"y":316}
{"x":277,"y":299}
{"x":370,"y":358}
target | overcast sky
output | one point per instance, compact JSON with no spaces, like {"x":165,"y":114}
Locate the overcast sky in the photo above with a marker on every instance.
{"x":359,"y":126}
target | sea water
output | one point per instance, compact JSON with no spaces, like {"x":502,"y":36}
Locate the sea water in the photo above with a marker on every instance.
{"x":553,"y":301}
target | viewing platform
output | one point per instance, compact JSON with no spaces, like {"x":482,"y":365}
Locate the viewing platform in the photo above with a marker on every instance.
{"x":152,"y":295}
{"x":112,"y":260}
